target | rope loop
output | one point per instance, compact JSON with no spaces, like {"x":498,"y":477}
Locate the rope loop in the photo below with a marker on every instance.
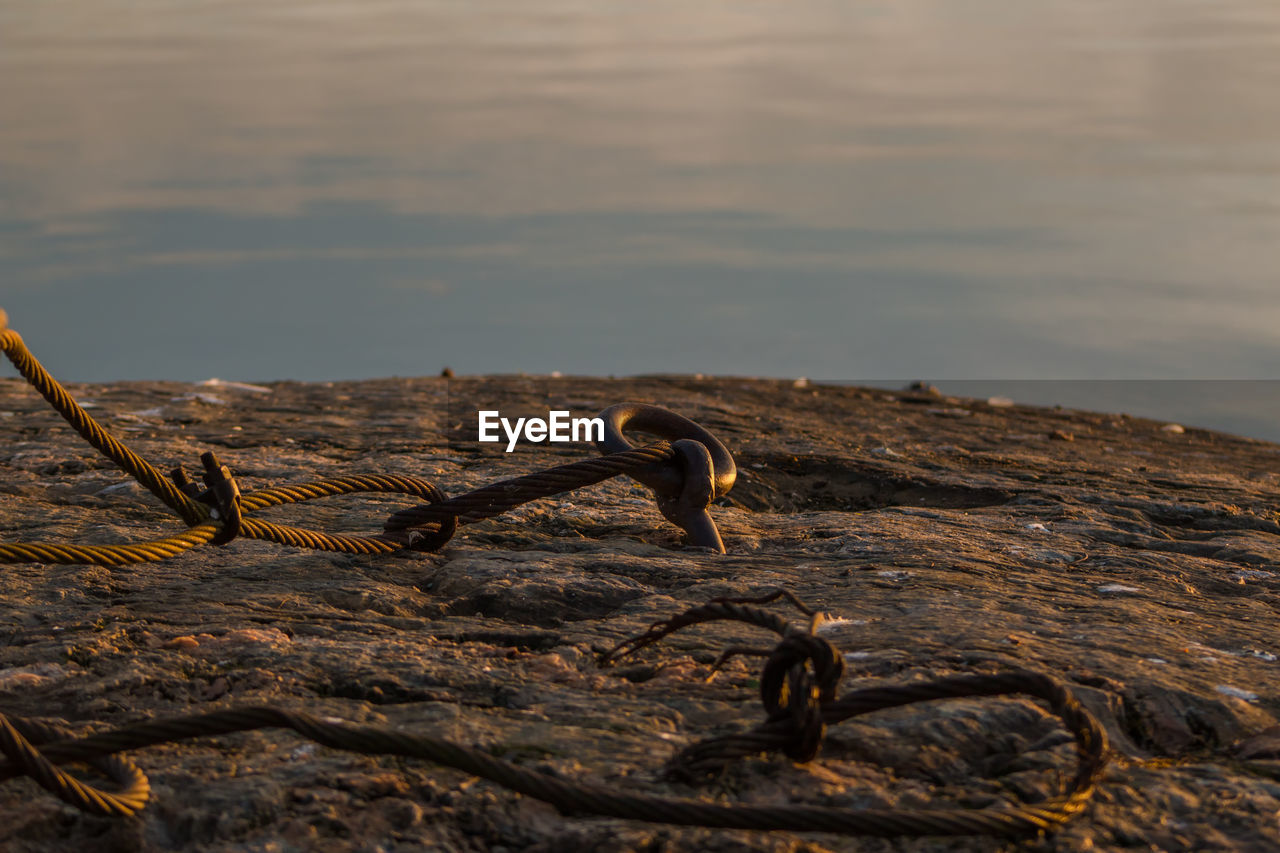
{"x":423,"y":537}
{"x":20,"y":739}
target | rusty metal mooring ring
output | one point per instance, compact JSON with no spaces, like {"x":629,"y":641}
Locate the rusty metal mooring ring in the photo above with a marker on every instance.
{"x":703,"y":471}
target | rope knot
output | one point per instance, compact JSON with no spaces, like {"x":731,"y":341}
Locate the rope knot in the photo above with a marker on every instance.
{"x":798,"y":682}
{"x":424,"y":538}
{"x":794,"y":692}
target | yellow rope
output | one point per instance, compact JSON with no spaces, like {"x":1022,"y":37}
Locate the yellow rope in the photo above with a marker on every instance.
{"x":203,"y":528}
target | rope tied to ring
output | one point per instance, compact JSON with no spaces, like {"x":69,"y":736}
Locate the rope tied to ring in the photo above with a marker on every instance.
{"x":687,"y":469}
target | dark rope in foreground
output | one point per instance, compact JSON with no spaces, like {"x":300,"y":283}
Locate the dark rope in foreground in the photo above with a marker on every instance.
{"x":220,"y":513}
{"x":35,"y":749}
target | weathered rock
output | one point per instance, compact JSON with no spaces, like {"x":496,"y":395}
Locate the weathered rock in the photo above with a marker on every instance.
{"x":1138,"y":563}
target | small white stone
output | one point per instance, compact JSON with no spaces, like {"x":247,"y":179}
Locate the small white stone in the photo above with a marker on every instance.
{"x":1246,"y":695}
{"x":117,"y":488}
{"x":235,"y":386}
{"x":833,"y":623}
{"x":1117,"y":587}
{"x":999,"y":402}
{"x":1037,"y":526}
{"x":209,"y":399}
{"x":302,"y":752}
{"x":1176,"y":429}
{"x":26,"y":677}
{"x":1048,"y":555}
{"x":951,"y":448}
{"x":884,"y":451}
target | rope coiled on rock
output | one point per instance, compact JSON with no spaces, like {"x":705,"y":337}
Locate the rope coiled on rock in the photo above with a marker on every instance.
{"x":798,"y":691}
{"x":35,"y":749}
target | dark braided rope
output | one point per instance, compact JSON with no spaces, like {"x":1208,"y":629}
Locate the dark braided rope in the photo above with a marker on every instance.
{"x":497,"y":498}
{"x":733,"y":609}
{"x":35,"y":750}
{"x":32,"y":749}
{"x":581,"y":798}
{"x":800,"y":705}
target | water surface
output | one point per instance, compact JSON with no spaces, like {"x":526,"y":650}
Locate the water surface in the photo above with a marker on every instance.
{"x":991,"y":189}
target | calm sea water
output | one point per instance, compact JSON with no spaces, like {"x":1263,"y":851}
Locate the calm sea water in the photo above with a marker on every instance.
{"x":993,"y":189}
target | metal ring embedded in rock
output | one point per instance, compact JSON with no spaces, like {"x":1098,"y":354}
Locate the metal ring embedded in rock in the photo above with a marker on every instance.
{"x":702,"y":471}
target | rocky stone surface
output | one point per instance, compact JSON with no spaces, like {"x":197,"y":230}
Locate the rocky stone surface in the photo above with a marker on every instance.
{"x":1138,"y":561}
